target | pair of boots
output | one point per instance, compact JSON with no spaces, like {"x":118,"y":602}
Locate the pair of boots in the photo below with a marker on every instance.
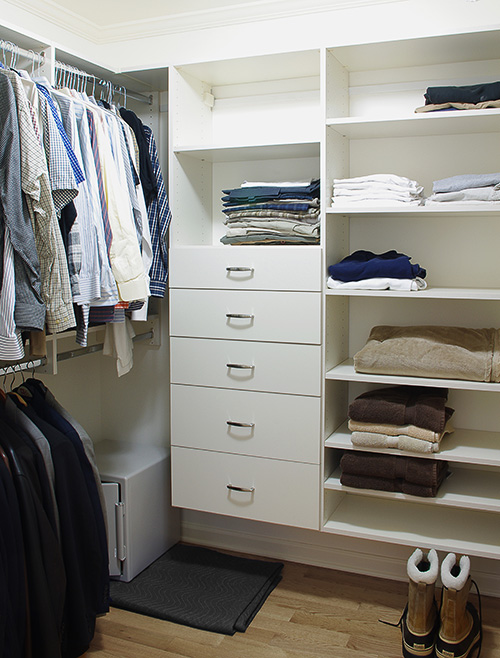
{"x":452,"y":631}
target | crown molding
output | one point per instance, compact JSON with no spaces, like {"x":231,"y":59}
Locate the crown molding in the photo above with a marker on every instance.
{"x":260,"y":10}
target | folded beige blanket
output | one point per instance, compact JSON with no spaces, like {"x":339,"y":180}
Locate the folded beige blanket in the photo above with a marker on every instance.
{"x":400,"y":442}
{"x":432,"y":351}
{"x":397,"y":430}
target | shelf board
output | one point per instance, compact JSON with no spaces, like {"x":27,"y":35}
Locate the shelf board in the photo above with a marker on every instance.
{"x":243,"y":152}
{"x":488,"y":294}
{"x":485,"y":209}
{"x":345,"y":372}
{"x":465,"y":489}
{"x":479,"y":447}
{"x":419,"y":124}
{"x":417,"y":524}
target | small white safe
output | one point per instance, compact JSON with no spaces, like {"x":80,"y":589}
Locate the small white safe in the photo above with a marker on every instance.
{"x":142,"y":524}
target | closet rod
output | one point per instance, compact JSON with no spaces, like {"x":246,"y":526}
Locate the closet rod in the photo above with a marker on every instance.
{"x":71,"y":354}
{"x":74,"y":71}
{"x":25,"y":365}
{"x":16,"y":51}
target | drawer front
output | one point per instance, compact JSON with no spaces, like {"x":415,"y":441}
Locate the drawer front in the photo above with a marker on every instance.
{"x":246,"y":267}
{"x":291,"y":317}
{"x":270,"y":367}
{"x":246,"y":422}
{"x":279,"y":492}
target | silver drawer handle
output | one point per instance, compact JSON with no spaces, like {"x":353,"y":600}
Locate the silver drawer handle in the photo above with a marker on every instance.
{"x":239,"y":269}
{"x":232,"y":487}
{"x":240,"y":366}
{"x":242,"y":316}
{"x":235,"y":423}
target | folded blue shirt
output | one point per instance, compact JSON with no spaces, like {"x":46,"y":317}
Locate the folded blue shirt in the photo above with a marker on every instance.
{"x":363,"y":264}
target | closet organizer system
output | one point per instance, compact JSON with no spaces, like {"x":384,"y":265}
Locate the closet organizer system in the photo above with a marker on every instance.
{"x":54,"y":540}
{"x":87,"y":329}
{"x":263,"y":349}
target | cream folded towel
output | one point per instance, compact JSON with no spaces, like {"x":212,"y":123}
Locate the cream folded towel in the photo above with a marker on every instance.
{"x":432,"y":351}
{"x":411,"y":431}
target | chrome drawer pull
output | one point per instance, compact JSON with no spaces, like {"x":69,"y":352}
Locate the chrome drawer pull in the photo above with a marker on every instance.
{"x":232,"y":487}
{"x":240,"y":366}
{"x":243,"y":316}
{"x":235,"y":423}
{"x":239,"y":269}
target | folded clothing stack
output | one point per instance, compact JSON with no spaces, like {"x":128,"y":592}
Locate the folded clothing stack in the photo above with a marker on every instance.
{"x":377,"y":190}
{"x":466,"y":188}
{"x":272,"y":213}
{"x":467,"y":97}
{"x":364,"y":270}
{"x":409,"y":475}
{"x":410,"y":418}
{"x":432,"y":351}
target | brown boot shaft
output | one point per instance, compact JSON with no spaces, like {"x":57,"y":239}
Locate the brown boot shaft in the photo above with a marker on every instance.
{"x":456,"y":621}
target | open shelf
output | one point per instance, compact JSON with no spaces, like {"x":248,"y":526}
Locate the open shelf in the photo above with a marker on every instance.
{"x":477,"y":490}
{"x":485,"y":294}
{"x":416,"y":524}
{"x":345,"y":372}
{"x":418,"y":125}
{"x":464,"y":446}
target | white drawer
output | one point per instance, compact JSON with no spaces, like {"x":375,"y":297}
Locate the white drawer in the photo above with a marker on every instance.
{"x":287,"y":317}
{"x":253,"y":268}
{"x":246,"y":422}
{"x":281,"y":492}
{"x":272,"y":367}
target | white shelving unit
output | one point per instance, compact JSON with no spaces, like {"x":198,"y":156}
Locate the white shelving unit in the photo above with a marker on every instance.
{"x":338,"y":112}
{"x":371,"y":127}
{"x":251,"y":377}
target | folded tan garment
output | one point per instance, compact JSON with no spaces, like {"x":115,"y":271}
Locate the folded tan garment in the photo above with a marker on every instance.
{"x":397,"y":430}
{"x":482,"y":105}
{"x":432,"y":351}
{"x":401,"y":442}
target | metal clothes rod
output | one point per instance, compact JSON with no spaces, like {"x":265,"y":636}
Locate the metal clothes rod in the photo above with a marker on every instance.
{"x":17,"y":52}
{"x":25,"y":365}
{"x":71,"y":354}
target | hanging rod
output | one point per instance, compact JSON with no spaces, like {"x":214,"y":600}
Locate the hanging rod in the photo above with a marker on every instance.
{"x":16,"y":51}
{"x":82,"y":351}
{"x":25,"y":365}
{"x":112,"y":89}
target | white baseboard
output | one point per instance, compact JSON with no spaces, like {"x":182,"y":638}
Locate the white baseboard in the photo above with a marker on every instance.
{"x":370,"y":558}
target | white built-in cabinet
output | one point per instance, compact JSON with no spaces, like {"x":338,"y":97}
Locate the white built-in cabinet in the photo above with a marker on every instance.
{"x":261,"y":350}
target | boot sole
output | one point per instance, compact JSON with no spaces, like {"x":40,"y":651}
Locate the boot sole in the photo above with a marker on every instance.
{"x":446,"y":653}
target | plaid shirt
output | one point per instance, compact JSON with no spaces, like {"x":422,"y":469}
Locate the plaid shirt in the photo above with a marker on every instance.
{"x":159,"y":221}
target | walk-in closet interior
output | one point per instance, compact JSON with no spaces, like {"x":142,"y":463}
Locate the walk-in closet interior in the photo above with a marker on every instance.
{"x":232,"y":428}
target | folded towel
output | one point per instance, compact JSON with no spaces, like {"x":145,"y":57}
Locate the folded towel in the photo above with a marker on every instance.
{"x":426,"y":472}
{"x":403,"y":405}
{"x":428,"y":351}
{"x":385,"y":484}
{"x":401,"y":442}
{"x":398,"y":430}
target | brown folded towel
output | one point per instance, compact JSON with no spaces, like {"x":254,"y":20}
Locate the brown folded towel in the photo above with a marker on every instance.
{"x":411,"y":431}
{"x":383,"y":484}
{"x":429,"y":351}
{"x":425,"y":472}
{"x":403,"y":405}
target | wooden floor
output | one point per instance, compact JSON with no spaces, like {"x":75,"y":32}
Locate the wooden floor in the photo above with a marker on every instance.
{"x":313,"y":612}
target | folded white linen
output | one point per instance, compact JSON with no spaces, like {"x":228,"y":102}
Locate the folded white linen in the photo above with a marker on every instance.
{"x":370,"y":193}
{"x":371,"y":202}
{"x":378,"y":283}
{"x":386,"y":179}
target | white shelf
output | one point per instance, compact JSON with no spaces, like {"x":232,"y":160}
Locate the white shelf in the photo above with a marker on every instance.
{"x":345,"y":372}
{"x":447,"y":209}
{"x":418,"y":125}
{"x":463,"y":446}
{"x":489,"y":294}
{"x":465,"y":531}
{"x":246,"y":152}
{"x":476,"y":490}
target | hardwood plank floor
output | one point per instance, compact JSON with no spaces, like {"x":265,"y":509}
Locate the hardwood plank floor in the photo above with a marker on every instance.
{"x":312,"y":613}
